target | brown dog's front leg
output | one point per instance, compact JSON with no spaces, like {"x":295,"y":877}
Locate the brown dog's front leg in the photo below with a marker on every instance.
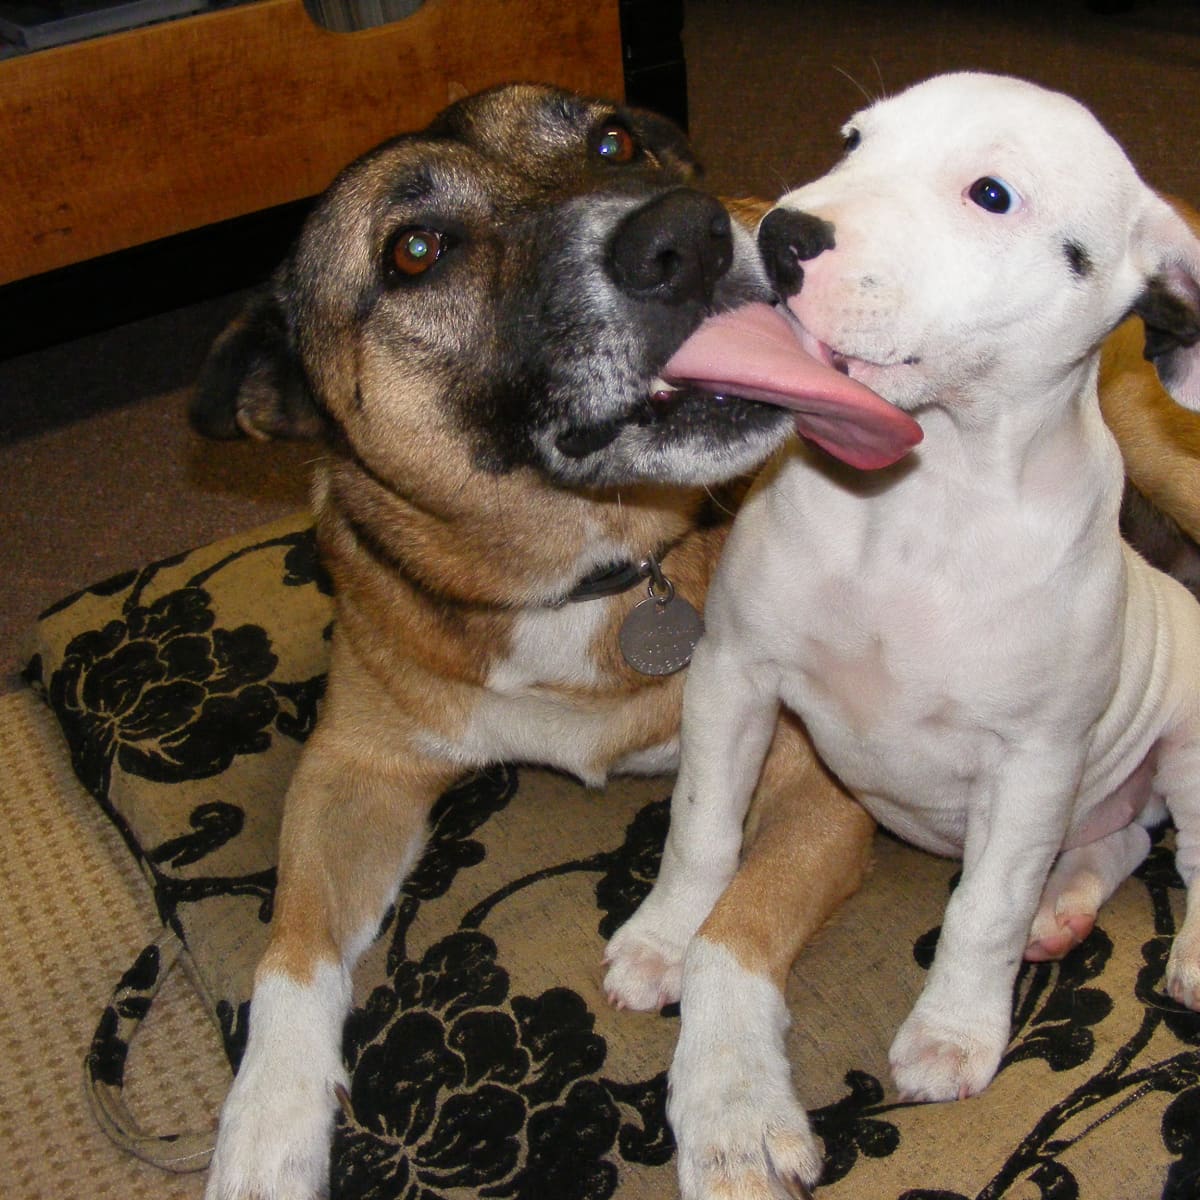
{"x":807,"y":849}
{"x":736,"y":1118}
{"x":354,"y":823}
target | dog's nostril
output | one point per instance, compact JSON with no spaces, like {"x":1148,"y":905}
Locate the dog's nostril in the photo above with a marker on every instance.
{"x":669,"y":265}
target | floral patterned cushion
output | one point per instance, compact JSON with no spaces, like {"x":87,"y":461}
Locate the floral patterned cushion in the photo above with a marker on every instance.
{"x":485,"y":1061}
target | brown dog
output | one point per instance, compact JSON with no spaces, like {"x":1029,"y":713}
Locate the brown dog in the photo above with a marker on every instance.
{"x":478,"y":321}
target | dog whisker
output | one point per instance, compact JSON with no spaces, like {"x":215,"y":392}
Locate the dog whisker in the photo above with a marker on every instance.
{"x":883,"y":90}
{"x":721,"y":507}
{"x":858,"y":86}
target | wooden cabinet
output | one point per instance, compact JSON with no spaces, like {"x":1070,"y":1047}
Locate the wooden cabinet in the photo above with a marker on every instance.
{"x":117,"y":141}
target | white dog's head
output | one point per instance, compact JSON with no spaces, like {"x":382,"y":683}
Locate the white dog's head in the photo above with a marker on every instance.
{"x":980,"y":237}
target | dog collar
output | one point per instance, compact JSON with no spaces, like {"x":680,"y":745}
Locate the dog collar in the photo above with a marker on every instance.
{"x":609,"y":581}
{"x":658,"y":635}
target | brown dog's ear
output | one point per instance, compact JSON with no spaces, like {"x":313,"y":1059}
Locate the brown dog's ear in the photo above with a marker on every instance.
{"x":667,"y":141}
{"x":252,"y":384}
{"x":1169,"y":303}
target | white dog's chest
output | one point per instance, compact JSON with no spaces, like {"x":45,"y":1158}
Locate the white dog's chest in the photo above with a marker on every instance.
{"x":894,"y":715}
{"x":917,"y":677}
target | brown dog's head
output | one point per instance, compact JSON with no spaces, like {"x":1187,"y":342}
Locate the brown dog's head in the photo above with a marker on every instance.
{"x":504,"y":289}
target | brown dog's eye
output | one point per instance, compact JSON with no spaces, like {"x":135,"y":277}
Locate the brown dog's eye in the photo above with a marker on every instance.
{"x":616,"y":144}
{"x":416,"y":250}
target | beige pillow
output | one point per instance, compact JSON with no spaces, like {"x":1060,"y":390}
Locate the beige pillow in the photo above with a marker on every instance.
{"x":485,"y":1061}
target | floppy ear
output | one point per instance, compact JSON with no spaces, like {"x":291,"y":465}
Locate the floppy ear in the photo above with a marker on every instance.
{"x":667,"y":141}
{"x":1169,"y":304}
{"x":252,"y":383}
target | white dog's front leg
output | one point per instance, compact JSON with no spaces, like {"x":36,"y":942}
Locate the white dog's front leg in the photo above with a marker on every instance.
{"x":277,"y":1120}
{"x":950,"y":1045}
{"x":728,"y":720}
{"x":741,"y":1131}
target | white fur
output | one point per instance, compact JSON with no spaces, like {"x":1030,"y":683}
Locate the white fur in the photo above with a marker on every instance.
{"x":277,"y":1120}
{"x":521,"y":717}
{"x":645,"y":956}
{"x":973,"y":649}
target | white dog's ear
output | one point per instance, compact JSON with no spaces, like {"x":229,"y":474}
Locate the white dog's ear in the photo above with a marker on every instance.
{"x":1169,"y":304}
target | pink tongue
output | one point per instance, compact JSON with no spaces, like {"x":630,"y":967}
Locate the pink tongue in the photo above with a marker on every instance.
{"x":754,"y":352}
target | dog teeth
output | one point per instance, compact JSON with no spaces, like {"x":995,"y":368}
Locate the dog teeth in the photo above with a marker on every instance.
{"x":661,"y":391}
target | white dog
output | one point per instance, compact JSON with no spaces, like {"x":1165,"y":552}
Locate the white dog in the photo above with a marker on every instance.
{"x":973,"y":649}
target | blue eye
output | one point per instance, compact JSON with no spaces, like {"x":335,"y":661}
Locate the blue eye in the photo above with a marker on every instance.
{"x":993,"y":195}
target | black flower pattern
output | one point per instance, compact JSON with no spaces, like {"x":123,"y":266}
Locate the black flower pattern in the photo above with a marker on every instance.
{"x":458,"y":1085}
{"x":164,"y":693}
{"x":130,"y":1003}
{"x":632,"y":869}
{"x":1181,"y":1136}
{"x":167,"y":693}
{"x":850,"y":1127}
{"x":302,"y":564}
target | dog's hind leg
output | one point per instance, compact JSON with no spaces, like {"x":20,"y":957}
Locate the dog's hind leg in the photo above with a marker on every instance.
{"x":740,"y":1129}
{"x":1177,"y":780}
{"x":354,"y":823}
{"x":1081,"y":882}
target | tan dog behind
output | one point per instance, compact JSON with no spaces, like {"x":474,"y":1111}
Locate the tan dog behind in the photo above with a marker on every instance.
{"x":1160,"y":445}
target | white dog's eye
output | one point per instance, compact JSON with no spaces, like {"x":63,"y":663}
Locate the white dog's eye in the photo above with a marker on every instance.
{"x":850,"y":139}
{"x":994,"y":195}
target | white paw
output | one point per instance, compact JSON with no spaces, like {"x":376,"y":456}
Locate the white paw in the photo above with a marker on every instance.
{"x":745,"y":1149}
{"x":645,"y":956}
{"x":740,"y":1131}
{"x":938,"y":1059}
{"x":1183,"y":973}
{"x":277,"y":1121}
{"x":644,"y":970}
{"x":274,"y":1146}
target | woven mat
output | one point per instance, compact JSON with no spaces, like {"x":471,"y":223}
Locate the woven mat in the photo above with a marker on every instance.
{"x":76,"y":912}
{"x":485,"y":1061}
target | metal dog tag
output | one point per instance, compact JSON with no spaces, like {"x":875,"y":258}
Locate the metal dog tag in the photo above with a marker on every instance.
{"x":659,"y":635}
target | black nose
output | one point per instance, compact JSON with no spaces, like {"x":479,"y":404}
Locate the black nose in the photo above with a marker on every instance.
{"x":673,"y":249}
{"x":785,"y":240}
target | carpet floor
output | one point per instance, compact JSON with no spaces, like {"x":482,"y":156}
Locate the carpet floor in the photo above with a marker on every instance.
{"x":76,"y":913}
